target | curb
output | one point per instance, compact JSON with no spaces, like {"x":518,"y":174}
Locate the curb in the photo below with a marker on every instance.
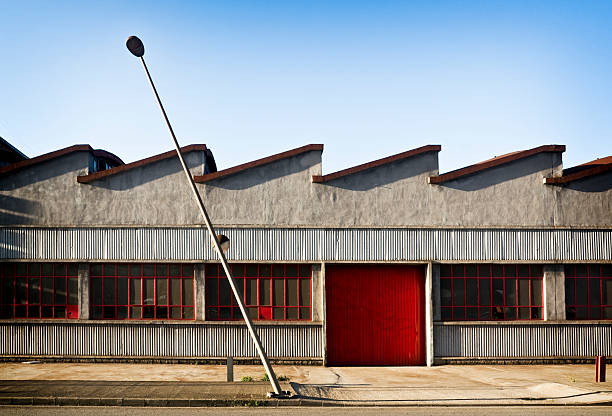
{"x":297,"y":402}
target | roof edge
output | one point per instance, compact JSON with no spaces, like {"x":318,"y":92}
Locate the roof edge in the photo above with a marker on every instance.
{"x":45,"y":157}
{"x":595,"y":170}
{"x":259,"y":162}
{"x":376,"y":163}
{"x":142,"y":162}
{"x":501,"y":160}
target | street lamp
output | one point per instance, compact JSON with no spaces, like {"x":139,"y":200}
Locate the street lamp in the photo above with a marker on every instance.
{"x":220,"y":242}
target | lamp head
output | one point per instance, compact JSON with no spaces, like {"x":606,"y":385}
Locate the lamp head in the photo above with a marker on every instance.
{"x":134,"y":44}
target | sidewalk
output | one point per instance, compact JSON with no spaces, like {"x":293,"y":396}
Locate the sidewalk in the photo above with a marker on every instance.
{"x":204,"y":385}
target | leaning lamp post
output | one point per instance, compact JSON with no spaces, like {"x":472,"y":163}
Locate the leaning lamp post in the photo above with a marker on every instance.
{"x":220,"y":243}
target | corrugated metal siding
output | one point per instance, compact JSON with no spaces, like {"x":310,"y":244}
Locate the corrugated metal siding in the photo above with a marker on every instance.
{"x":184,"y":340}
{"x":546,"y":340}
{"x":307,"y":244}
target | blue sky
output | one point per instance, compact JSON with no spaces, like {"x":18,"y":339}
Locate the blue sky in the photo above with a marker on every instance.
{"x":366,"y":79}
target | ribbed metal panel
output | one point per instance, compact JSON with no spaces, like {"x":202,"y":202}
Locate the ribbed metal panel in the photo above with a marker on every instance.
{"x":184,"y":340}
{"x":307,"y":244}
{"x":546,"y":340}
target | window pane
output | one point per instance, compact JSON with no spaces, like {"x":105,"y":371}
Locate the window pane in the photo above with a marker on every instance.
{"x":135,"y":312}
{"x":161,"y":312}
{"x":135,"y":292}
{"x":291,"y":270}
{"x":122,"y":291}
{"x":581,"y":313}
{"x":458,"y":292}
{"x":265,"y":270}
{"x":292,"y":313}
{"x":212,"y":291}
{"x":136,"y":270}
{"x":46,"y":269}
{"x":471,"y":314}
{"x":96,"y":270}
{"x":305,"y":271}
{"x":8,"y":287}
{"x":445,"y":292}
{"x":279,"y":292}
{"x":59,"y":312}
{"x":498,"y":291}
{"x":73,"y":291}
{"x":175,"y":270}
{"x":292,"y":293}
{"x":148,"y":269}
{"x":211,"y":270}
{"x":251,"y":291}
{"x":109,"y":270}
{"x":523,"y":271}
{"x":148,"y":293}
{"x":21,"y":311}
{"x":484,"y":314}
{"x":446,"y":314}
{"x":59,"y":270}
{"x":472,"y":292}
{"x":471,"y":270}
{"x":458,"y":314}
{"x":536,"y":313}
{"x":225,"y":292}
{"x":511,"y":292}
{"x":511,"y":313}
{"x":510,"y":270}
{"x":594,"y":292}
{"x":581,"y":292}
{"x":162,"y":270}
{"x":108,"y":312}
{"x":607,"y":313}
{"x":175,"y":292}
{"x":304,"y":292}
{"x":305,"y":313}
{"x":188,"y":313}
{"x":484,"y":270}
{"x":34,"y":291}
{"x":122,"y":312}
{"x":497,"y":270}
{"x":264,"y":292}
{"x":278,"y":313}
{"x":122,"y":270}
{"x":278,"y":270}
{"x":524,"y":313}
{"x":109,"y":291}
{"x":524,"y":292}
{"x":187,"y":270}
{"x":96,"y":312}
{"x":148,"y":312}
{"x":251,"y":270}
{"x":96,"y":291}
{"x":570,"y":297}
{"x":595,"y":313}
{"x":536,"y":292}
{"x":581,"y":270}
{"x":607,"y":293}
{"x":188,"y":291}
{"x":60,"y":291}
{"x":253,"y":313}
{"x":498,"y":312}
{"x":162,"y":292}
{"x":176,"y":313}
{"x":445,"y":270}
{"x":458,"y":270}
{"x":22,"y":290}
{"x":485,"y":291}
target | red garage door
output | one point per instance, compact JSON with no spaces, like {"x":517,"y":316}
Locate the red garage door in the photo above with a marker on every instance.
{"x":375,"y":315}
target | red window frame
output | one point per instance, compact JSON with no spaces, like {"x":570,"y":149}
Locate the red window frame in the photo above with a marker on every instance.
{"x":503,"y":292}
{"x":261,"y":306}
{"x":588,"y":291}
{"x":141,"y":291}
{"x":39,"y":291}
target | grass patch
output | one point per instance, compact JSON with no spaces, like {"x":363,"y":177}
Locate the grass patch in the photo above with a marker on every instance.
{"x":246,"y":379}
{"x":283,"y":378}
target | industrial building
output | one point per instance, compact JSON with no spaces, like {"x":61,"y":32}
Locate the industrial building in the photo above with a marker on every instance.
{"x":385,"y":263}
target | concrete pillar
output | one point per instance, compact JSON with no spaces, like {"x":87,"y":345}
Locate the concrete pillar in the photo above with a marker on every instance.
{"x":317,"y":293}
{"x":83,"y":288}
{"x":554,"y":293}
{"x":429,"y":345}
{"x":200,"y":293}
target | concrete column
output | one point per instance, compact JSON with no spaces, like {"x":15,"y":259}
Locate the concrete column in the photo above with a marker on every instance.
{"x":324,"y":315}
{"x":429,"y":345}
{"x":317,"y":293}
{"x":554,"y":293}
{"x":200,"y":292}
{"x":83,"y":288}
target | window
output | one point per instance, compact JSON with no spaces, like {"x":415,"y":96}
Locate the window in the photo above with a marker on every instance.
{"x":490,"y":292}
{"x":588,"y":291}
{"x":270,"y":292}
{"x":39,"y":290}
{"x":142,"y":291}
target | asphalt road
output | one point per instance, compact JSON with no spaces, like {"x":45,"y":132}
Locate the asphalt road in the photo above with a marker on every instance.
{"x":299,"y":411}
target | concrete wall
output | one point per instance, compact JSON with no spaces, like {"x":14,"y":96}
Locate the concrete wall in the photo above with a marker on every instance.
{"x":282,"y":194}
